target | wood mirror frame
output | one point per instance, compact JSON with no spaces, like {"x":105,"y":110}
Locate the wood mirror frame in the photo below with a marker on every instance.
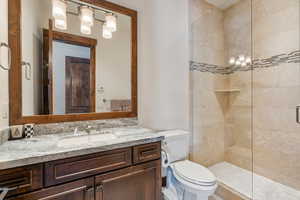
{"x":15,"y":75}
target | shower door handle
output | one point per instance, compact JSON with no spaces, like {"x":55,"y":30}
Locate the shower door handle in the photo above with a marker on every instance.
{"x":298,"y":114}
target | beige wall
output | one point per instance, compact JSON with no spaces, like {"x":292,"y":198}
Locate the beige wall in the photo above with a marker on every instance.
{"x":163,"y":62}
{"x":207,"y":46}
{"x":32,"y":48}
{"x":3,"y":61}
{"x":276,"y":92}
{"x":237,"y":26}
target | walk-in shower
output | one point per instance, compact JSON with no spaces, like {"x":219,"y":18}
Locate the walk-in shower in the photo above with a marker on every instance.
{"x":245,"y":86}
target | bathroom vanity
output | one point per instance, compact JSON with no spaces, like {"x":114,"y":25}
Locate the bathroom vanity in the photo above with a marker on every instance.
{"x":128,"y":168}
{"x":75,"y":61}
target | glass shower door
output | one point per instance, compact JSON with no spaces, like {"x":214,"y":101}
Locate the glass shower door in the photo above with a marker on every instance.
{"x":276,"y":95}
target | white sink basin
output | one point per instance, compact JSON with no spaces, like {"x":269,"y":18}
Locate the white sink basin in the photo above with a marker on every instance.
{"x":86,"y":139}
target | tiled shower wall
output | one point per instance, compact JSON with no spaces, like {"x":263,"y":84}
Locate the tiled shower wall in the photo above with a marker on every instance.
{"x":207,"y":45}
{"x":276,"y":92}
{"x":222,"y":121}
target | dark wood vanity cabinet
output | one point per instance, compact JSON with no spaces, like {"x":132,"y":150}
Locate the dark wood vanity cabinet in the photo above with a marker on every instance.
{"x":140,"y":182}
{"x":78,"y":190}
{"x":22,"y":179}
{"x":132,"y":173}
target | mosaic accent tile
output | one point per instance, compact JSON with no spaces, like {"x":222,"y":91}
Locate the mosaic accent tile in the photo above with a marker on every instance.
{"x":293,"y":57}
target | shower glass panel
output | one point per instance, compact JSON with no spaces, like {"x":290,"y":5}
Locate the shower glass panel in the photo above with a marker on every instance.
{"x":221,"y":89}
{"x":276,"y":94}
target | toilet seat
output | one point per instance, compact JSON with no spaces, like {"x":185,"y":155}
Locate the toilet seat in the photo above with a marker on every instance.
{"x":193,"y":173}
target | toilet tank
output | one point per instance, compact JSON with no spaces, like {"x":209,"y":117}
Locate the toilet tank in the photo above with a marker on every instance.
{"x":176,"y":144}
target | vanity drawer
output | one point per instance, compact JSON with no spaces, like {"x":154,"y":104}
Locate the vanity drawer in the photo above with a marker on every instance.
{"x":23,"y":179}
{"x":146,"y":152}
{"x":62,"y":171}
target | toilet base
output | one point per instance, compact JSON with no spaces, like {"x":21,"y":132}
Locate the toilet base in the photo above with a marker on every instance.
{"x":169,"y":194}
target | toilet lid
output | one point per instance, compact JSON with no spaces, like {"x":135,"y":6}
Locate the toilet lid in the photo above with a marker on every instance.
{"x":194,"y":173}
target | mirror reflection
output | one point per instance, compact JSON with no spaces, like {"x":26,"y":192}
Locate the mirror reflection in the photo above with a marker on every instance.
{"x":76,"y":58}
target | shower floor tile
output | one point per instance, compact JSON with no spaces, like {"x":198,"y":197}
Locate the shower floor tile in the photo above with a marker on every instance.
{"x":240,"y":180}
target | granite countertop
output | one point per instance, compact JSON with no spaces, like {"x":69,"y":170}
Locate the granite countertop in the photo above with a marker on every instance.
{"x":46,"y":148}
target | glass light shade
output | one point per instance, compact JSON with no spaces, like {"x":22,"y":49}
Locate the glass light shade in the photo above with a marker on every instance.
{"x":111,"y":22}
{"x":59,"y":9}
{"x":87,"y":16}
{"x":85,"y":29}
{"x":238,"y":63}
{"x":242,"y":58}
{"x":248,"y":60}
{"x":232,"y":61}
{"x":106,"y":32}
{"x":60,"y":24}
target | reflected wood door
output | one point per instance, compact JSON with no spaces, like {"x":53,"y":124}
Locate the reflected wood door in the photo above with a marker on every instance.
{"x":78,"y":87}
{"x":78,"y":190}
{"x":142,"y":182}
{"x":47,"y":70}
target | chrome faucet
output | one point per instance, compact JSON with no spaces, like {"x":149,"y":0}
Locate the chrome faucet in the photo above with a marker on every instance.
{"x":76,"y":132}
{"x":89,"y":129}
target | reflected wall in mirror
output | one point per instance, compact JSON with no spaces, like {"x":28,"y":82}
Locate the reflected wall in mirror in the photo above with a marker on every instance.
{"x":73,"y":60}
{"x":75,"y":69}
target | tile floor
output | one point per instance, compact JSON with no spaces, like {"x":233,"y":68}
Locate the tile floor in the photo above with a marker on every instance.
{"x":241,"y":180}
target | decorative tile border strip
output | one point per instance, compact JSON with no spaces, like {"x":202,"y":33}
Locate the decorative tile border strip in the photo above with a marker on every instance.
{"x":293,"y":57}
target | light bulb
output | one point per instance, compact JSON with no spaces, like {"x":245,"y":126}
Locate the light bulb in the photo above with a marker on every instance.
{"x":248,"y":60}
{"x":59,"y":9}
{"x":238,"y":63}
{"x":111,"y":22}
{"x":85,"y":29}
{"x":87,"y":16}
{"x":241,"y":58}
{"x":244,"y":64}
{"x":60,"y":24}
{"x":232,"y":61}
{"x":106,"y":32}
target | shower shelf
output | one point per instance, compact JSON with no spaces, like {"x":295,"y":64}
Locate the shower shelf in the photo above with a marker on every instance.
{"x":228,"y":91}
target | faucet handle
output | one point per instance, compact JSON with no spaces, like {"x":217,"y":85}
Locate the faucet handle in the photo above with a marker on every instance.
{"x":89,"y":129}
{"x":76,"y":131}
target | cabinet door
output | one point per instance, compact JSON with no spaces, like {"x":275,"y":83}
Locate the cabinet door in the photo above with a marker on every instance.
{"x":78,"y":190}
{"x":142,"y":182}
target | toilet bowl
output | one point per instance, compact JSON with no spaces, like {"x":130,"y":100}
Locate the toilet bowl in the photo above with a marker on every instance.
{"x":186,"y":180}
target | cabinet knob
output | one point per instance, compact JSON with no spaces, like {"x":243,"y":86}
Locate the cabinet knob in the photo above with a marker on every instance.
{"x":99,"y":188}
{"x":99,"y":192}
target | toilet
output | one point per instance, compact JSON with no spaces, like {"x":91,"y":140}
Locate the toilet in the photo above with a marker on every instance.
{"x":186,"y":180}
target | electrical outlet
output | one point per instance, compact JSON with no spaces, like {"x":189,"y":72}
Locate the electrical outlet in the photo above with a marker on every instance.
{"x":4,"y":111}
{"x":4,"y":115}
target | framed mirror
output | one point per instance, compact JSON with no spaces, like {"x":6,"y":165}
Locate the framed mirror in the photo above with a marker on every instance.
{"x":73,"y":60}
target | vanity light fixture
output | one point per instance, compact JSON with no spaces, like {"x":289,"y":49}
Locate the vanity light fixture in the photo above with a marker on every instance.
{"x":59,"y":13}
{"x":60,"y":24}
{"x":87,"y":16}
{"x":232,"y":61}
{"x":248,"y":60}
{"x":241,"y":60}
{"x":59,"y":9}
{"x":238,"y":63}
{"x":85,"y":29}
{"x":111,"y":22}
{"x":106,"y":32}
